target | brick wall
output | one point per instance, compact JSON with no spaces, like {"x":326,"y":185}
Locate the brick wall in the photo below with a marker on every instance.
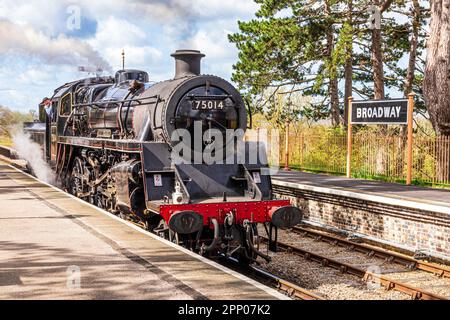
{"x":407,"y":227}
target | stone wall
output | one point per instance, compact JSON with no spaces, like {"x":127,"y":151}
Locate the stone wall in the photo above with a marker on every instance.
{"x":410,"y":228}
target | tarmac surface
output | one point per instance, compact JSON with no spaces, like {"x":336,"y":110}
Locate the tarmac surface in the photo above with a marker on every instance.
{"x":54,"y":246}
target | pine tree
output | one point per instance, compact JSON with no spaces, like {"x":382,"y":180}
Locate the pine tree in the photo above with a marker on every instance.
{"x":326,"y":50}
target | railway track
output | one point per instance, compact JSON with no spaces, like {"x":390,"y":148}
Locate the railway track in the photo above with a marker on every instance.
{"x":367,"y":276}
{"x":285,"y":286}
{"x":372,"y":251}
{"x":265,"y":277}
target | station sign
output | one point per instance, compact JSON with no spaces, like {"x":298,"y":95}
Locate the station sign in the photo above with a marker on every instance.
{"x":393,"y":111}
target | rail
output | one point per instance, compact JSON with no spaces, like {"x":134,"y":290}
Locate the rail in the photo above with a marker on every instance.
{"x":389,"y":256}
{"x":389,"y":284}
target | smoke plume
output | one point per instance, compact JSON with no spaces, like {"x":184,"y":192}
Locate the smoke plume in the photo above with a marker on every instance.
{"x":31,"y":152}
{"x":61,"y":50}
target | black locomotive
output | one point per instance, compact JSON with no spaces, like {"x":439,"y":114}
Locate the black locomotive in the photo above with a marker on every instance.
{"x":116,"y":143}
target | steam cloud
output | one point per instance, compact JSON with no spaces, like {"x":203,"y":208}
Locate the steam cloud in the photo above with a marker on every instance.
{"x":31,"y":152}
{"x":60,"y":50}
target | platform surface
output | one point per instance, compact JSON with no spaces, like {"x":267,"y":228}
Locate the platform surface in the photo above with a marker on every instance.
{"x":54,"y":246}
{"x":409,"y":194}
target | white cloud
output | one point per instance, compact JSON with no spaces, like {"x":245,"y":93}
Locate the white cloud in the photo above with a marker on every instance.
{"x":36,"y":76}
{"x":114,"y":35}
{"x":59,"y":50}
{"x":113,"y":31}
{"x":135,"y":57}
{"x":42,"y":15}
{"x":224,"y":9}
{"x":212,"y":40}
{"x":41,"y":55}
{"x":23,"y":85}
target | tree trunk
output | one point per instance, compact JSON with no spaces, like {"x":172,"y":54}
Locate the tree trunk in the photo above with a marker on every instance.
{"x":348,"y":68}
{"x":378,"y":87}
{"x":377,"y":54}
{"x":437,"y":70}
{"x":335,"y":112}
{"x":333,"y":86}
{"x":413,"y":48}
{"x":377,"y":61}
{"x":436,"y":83}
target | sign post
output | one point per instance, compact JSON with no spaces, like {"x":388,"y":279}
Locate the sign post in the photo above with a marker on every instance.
{"x":392,"y":111}
{"x":349,"y":138}
{"x":410,"y":138}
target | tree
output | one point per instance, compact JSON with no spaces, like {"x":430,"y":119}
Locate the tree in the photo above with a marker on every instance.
{"x":348,"y":65}
{"x":436,"y":84}
{"x":6,"y":118}
{"x":9,"y":119}
{"x":288,"y":107}
{"x":415,"y":23}
{"x":295,"y":50}
{"x":314,"y":45}
{"x":377,"y":52}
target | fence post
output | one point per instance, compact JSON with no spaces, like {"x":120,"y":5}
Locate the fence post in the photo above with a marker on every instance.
{"x":349,"y":138}
{"x":301,"y":150}
{"x":410,"y":138}
{"x":286,"y":151}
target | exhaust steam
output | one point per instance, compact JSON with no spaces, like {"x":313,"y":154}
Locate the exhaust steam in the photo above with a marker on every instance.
{"x":30,"y":151}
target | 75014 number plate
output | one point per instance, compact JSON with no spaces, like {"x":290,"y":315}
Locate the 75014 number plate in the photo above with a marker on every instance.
{"x":207,"y":104}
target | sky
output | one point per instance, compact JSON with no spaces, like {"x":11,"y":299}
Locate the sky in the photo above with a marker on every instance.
{"x":42,"y":43}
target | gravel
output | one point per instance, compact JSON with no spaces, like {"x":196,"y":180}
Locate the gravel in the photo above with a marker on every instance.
{"x":332,"y":284}
{"x":424,"y":280}
{"x":327,"y":282}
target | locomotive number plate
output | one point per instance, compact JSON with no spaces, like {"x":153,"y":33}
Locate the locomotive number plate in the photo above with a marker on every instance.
{"x":207,"y":105}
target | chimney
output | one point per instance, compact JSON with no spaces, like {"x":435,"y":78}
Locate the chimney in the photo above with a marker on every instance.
{"x":187,"y":63}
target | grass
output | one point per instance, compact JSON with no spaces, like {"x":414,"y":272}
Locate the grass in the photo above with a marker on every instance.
{"x":5,"y":141}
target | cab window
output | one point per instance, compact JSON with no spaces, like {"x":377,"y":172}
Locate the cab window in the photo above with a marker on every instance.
{"x":65,"y":106}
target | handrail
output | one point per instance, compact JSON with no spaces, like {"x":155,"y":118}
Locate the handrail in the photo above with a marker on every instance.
{"x":139,"y":100}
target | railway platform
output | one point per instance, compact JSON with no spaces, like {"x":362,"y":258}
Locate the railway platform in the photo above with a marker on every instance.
{"x":433,"y":199}
{"x":55,"y":246}
{"x":410,"y":218}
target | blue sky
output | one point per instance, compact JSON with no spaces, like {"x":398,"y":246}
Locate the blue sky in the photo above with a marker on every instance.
{"x":43,"y":42}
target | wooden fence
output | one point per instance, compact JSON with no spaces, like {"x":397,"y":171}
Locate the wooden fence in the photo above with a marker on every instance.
{"x":374,"y":156}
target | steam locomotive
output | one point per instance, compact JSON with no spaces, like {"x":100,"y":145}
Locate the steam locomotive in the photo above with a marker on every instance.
{"x":137,"y":149}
